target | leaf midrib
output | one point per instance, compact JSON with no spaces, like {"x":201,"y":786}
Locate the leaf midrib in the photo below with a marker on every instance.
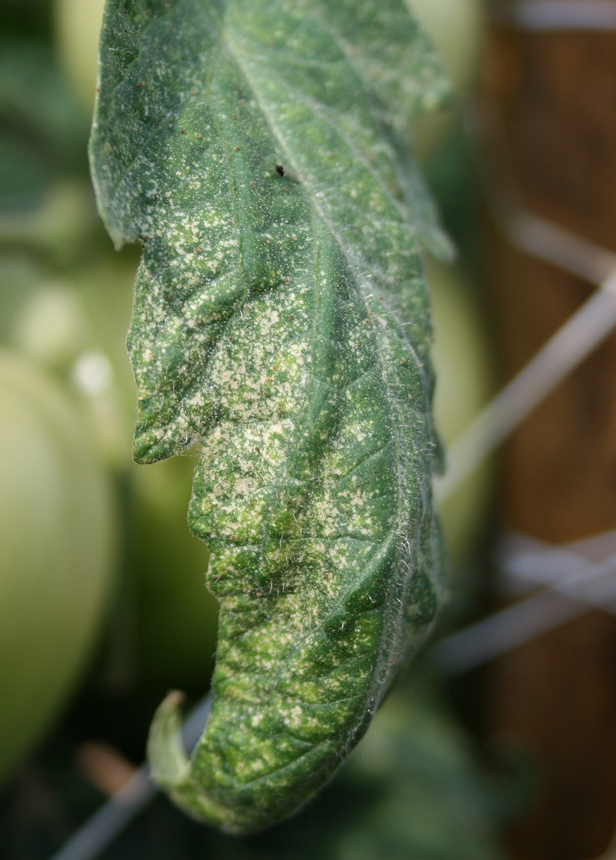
{"x":312,"y":200}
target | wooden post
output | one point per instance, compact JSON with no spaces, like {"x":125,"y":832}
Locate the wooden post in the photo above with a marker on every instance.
{"x":554,"y":94}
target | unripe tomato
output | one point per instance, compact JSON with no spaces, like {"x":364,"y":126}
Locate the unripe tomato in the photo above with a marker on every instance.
{"x":56,"y":552}
{"x":462,"y":362}
{"x":75,"y":326}
{"x":173,"y":614}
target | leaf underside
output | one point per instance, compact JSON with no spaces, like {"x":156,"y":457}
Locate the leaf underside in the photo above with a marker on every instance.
{"x":281,"y":322}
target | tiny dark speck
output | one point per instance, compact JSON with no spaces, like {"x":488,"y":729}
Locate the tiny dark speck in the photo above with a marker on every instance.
{"x":290,"y":174}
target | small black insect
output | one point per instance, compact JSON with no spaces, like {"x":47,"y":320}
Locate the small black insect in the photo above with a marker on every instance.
{"x":290,"y":174}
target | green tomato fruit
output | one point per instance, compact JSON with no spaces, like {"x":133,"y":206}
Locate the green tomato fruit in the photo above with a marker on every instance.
{"x":75,"y":327}
{"x":173,"y":616}
{"x":463,"y":366}
{"x":56,"y":553}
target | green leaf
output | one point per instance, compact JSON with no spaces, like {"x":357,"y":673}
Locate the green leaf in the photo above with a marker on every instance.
{"x":281,"y":323}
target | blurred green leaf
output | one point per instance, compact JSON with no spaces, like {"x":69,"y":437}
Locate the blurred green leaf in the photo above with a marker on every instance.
{"x":42,"y":129}
{"x":25,"y":18}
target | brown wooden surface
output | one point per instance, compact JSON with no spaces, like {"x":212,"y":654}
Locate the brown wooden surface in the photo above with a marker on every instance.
{"x":552,"y":98}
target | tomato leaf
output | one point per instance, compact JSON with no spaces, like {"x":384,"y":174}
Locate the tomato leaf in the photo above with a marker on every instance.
{"x":281,"y":322}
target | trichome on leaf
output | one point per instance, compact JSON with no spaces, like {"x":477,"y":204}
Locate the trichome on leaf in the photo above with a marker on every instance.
{"x":284,"y":327}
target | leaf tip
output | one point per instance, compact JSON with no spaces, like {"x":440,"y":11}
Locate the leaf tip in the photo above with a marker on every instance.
{"x":148,"y":447}
{"x":169,"y":763}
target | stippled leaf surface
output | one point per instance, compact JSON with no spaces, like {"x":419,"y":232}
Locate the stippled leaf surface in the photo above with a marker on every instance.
{"x":281,"y":322}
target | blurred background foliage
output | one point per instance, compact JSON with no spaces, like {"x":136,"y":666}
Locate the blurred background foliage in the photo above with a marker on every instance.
{"x":77,"y":698}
